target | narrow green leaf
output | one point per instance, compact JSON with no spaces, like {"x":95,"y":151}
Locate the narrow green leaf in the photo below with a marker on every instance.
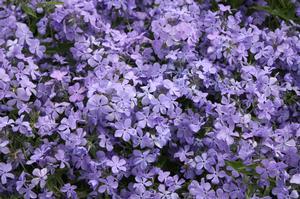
{"x":250,"y":190}
{"x":29,"y":11}
{"x":285,"y":14}
{"x":239,"y":166}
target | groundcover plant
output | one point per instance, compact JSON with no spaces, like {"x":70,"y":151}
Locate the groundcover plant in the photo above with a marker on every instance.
{"x":159,"y":99}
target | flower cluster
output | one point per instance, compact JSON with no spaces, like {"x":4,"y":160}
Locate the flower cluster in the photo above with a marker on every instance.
{"x":160,"y":99}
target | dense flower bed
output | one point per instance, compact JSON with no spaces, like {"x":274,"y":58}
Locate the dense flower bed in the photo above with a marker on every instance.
{"x":149,"y":99}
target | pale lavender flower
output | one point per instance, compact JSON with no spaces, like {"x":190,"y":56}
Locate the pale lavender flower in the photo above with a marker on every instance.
{"x":5,"y":172}
{"x":40,"y":177}
{"x":76,"y":93}
{"x":69,"y":190}
{"x":116,"y":164}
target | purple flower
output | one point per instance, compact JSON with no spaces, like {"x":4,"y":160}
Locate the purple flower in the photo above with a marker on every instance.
{"x":269,"y":169}
{"x":40,"y":177}
{"x":215,"y":174}
{"x":142,"y":140}
{"x":183,"y":153}
{"x":148,"y":99}
{"x":45,"y":125}
{"x":35,"y":47}
{"x":225,"y":133}
{"x":58,"y":75}
{"x":5,"y":172}
{"x":202,"y":190}
{"x":143,"y":158}
{"x":161,"y":104}
{"x":295,"y":179}
{"x":27,"y":192}
{"x":5,"y":121}
{"x":174,"y":183}
{"x":20,"y":97}
{"x":76,"y":93}
{"x":21,"y":181}
{"x":62,"y":158}
{"x":165,"y":193}
{"x":207,"y":66}
{"x":46,"y":195}
{"x":140,"y":194}
{"x":142,"y":183}
{"x":3,"y":75}
{"x":98,"y":102}
{"x":22,"y":127}
{"x":143,"y":118}
{"x":162,"y":176}
{"x":116,"y":164}
{"x":69,"y":190}
{"x":110,"y":183}
{"x":3,"y":146}
{"x":124,"y":130}
{"x":105,"y":142}
{"x":235,"y":190}
{"x":204,"y":161}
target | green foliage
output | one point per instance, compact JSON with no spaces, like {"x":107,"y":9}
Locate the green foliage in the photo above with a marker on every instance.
{"x":92,"y":142}
{"x":17,"y":140}
{"x":206,"y":128}
{"x":32,"y":16}
{"x":284,"y":11}
{"x":291,"y":98}
{"x":28,"y":10}
{"x":214,"y":97}
{"x":214,"y":6}
{"x":49,"y":6}
{"x":250,"y":176}
{"x":186,"y":103}
{"x":166,"y":163}
{"x":278,"y":9}
{"x":55,"y":181}
{"x":6,"y":196}
{"x":234,"y":3}
{"x":241,"y":168}
{"x":59,"y":48}
{"x":268,"y":190}
{"x":34,"y":116}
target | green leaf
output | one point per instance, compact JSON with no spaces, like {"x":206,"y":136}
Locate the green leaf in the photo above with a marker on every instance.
{"x":283,"y":9}
{"x":29,"y":11}
{"x":250,"y":190}
{"x":275,"y":12}
{"x":239,"y":166}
